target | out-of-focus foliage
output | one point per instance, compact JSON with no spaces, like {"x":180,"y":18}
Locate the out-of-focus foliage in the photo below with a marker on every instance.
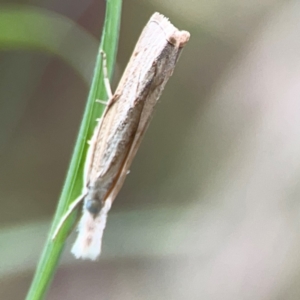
{"x":31,"y":28}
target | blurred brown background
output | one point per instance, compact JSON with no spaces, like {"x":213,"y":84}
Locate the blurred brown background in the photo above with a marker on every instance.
{"x":210,"y":209}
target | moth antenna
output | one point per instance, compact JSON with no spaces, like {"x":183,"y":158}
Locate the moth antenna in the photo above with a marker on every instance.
{"x":72,"y":206}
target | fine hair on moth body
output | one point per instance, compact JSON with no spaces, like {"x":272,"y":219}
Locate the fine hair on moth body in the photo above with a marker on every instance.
{"x":118,"y":133}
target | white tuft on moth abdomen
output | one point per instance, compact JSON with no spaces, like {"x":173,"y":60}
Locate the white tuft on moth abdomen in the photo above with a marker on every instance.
{"x":90,"y":232}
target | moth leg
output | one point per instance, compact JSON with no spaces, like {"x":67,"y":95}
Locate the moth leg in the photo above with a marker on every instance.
{"x":102,"y":102}
{"x":106,"y":80}
{"x":72,"y":206}
{"x":105,"y":75}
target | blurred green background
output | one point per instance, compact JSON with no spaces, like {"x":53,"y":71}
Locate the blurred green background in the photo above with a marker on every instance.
{"x":210,"y":209}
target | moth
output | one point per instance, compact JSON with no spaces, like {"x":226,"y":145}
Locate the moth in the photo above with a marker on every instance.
{"x":119,"y":132}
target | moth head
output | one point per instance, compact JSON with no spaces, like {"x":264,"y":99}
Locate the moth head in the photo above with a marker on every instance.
{"x":93,"y":205}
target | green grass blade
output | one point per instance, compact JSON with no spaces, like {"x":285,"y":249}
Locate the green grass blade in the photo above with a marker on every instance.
{"x":73,"y":185}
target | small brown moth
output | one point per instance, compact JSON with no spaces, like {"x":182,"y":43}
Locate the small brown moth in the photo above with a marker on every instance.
{"x":118,"y":134}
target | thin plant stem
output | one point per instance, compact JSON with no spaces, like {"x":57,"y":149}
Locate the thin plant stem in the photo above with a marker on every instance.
{"x":53,"y":248}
